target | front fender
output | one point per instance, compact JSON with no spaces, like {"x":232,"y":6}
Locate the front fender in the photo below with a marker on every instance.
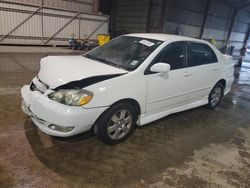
{"x":110,"y":91}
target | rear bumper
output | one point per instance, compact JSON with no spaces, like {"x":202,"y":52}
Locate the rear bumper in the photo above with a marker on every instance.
{"x":45,"y":112}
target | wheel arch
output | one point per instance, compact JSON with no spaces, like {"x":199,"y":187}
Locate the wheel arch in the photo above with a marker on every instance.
{"x":223,"y":82}
{"x":131,"y":101}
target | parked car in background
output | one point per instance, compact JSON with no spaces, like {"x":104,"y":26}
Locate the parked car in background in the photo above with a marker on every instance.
{"x":132,"y":80}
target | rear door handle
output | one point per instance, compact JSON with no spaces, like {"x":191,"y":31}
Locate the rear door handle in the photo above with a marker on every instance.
{"x":187,"y":75}
{"x":215,"y":69}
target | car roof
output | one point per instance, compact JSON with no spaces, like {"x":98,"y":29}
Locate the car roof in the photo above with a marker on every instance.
{"x":164,"y":37}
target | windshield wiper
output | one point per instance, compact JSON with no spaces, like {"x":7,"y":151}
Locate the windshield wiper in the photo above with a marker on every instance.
{"x":90,"y":56}
{"x":106,"y":61}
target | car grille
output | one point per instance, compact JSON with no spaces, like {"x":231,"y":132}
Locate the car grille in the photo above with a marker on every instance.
{"x":38,"y":85}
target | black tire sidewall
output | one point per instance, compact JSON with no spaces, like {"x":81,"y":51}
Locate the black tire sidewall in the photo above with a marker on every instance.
{"x":102,"y":123}
{"x":220,"y":85}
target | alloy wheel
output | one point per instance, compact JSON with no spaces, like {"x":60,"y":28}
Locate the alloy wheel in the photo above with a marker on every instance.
{"x":216,"y":96}
{"x":119,"y":124}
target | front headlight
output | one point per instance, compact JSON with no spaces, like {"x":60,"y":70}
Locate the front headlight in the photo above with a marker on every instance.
{"x":72,"y":97}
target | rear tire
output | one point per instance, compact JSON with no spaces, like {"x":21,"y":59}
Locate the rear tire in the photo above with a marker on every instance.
{"x":116,"y":124}
{"x":216,"y":96}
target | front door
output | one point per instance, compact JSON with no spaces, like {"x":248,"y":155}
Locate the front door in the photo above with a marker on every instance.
{"x":168,"y":90}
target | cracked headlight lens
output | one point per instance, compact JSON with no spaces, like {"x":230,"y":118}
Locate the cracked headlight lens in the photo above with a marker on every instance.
{"x":72,"y":97}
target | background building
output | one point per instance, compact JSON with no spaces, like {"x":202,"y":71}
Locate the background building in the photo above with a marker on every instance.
{"x":44,"y":22}
{"x":224,"y":21}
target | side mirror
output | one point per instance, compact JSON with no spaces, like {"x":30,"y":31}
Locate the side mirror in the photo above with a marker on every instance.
{"x":160,"y":68}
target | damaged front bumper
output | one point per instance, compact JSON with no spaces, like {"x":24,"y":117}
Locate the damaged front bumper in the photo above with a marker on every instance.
{"x":57,"y":119}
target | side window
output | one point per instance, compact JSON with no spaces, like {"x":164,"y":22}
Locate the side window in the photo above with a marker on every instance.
{"x":173,"y":54}
{"x":200,"y":54}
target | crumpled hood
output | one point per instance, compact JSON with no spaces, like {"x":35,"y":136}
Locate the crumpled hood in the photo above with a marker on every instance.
{"x":59,"y":70}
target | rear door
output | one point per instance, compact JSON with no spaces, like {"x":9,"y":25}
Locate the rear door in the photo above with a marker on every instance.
{"x":204,"y":70}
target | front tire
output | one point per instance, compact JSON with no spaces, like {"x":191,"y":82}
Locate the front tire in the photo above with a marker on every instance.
{"x":117,"y":124}
{"x":216,"y":96}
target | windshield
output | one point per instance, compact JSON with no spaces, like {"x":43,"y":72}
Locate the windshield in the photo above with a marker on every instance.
{"x":125,"y":52}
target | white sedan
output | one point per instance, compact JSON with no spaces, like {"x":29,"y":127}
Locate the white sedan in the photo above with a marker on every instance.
{"x":132,"y":80}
